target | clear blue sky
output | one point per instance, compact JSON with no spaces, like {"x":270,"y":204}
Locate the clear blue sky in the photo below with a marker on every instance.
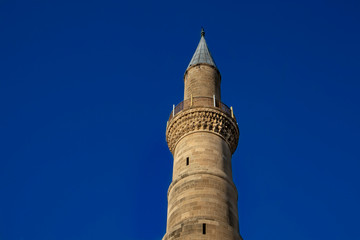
{"x":86,"y":88}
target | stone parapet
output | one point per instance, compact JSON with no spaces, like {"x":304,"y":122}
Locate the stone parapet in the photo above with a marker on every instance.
{"x":202,"y":119}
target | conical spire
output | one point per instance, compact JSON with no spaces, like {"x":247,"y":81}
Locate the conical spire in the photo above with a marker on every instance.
{"x":202,"y":53}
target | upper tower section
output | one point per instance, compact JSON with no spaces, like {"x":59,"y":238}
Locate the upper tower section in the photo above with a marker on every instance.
{"x":202,"y":78}
{"x":202,"y":109}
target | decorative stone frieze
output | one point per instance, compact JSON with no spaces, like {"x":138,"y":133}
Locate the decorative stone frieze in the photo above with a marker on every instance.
{"x":202,"y":119}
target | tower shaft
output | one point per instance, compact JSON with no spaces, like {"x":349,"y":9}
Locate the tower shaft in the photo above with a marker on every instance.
{"x":202,"y":80}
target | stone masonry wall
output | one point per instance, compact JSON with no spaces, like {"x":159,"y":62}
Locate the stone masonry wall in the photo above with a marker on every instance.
{"x":202,"y":191}
{"x":203,"y":151}
{"x":202,"y":81}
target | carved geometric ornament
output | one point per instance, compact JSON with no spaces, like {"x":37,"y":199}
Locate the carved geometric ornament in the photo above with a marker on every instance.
{"x":202,"y":119}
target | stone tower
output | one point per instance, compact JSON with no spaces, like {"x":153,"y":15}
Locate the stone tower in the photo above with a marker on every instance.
{"x":202,"y":134}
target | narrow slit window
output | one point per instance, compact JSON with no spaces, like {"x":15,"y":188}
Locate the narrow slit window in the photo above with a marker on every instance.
{"x":187,"y":161}
{"x":204,"y":228}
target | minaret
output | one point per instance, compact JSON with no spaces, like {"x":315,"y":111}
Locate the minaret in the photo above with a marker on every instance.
{"x":202,"y":134}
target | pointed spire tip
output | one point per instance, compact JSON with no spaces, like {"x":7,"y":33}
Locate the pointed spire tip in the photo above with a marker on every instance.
{"x":202,"y":53}
{"x":202,"y":32}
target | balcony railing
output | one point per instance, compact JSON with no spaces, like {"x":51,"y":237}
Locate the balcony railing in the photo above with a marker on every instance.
{"x":201,"y":102}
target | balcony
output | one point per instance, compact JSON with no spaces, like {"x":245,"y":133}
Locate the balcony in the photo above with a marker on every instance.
{"x":194,"y":102}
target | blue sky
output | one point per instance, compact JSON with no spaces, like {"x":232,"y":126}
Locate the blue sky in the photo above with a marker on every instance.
{"x":86,"y":88}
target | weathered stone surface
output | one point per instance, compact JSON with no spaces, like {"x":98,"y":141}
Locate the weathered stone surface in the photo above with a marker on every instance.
{"x":202,"y":191}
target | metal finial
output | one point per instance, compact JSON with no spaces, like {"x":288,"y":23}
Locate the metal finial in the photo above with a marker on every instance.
{"x":202,"y":32}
